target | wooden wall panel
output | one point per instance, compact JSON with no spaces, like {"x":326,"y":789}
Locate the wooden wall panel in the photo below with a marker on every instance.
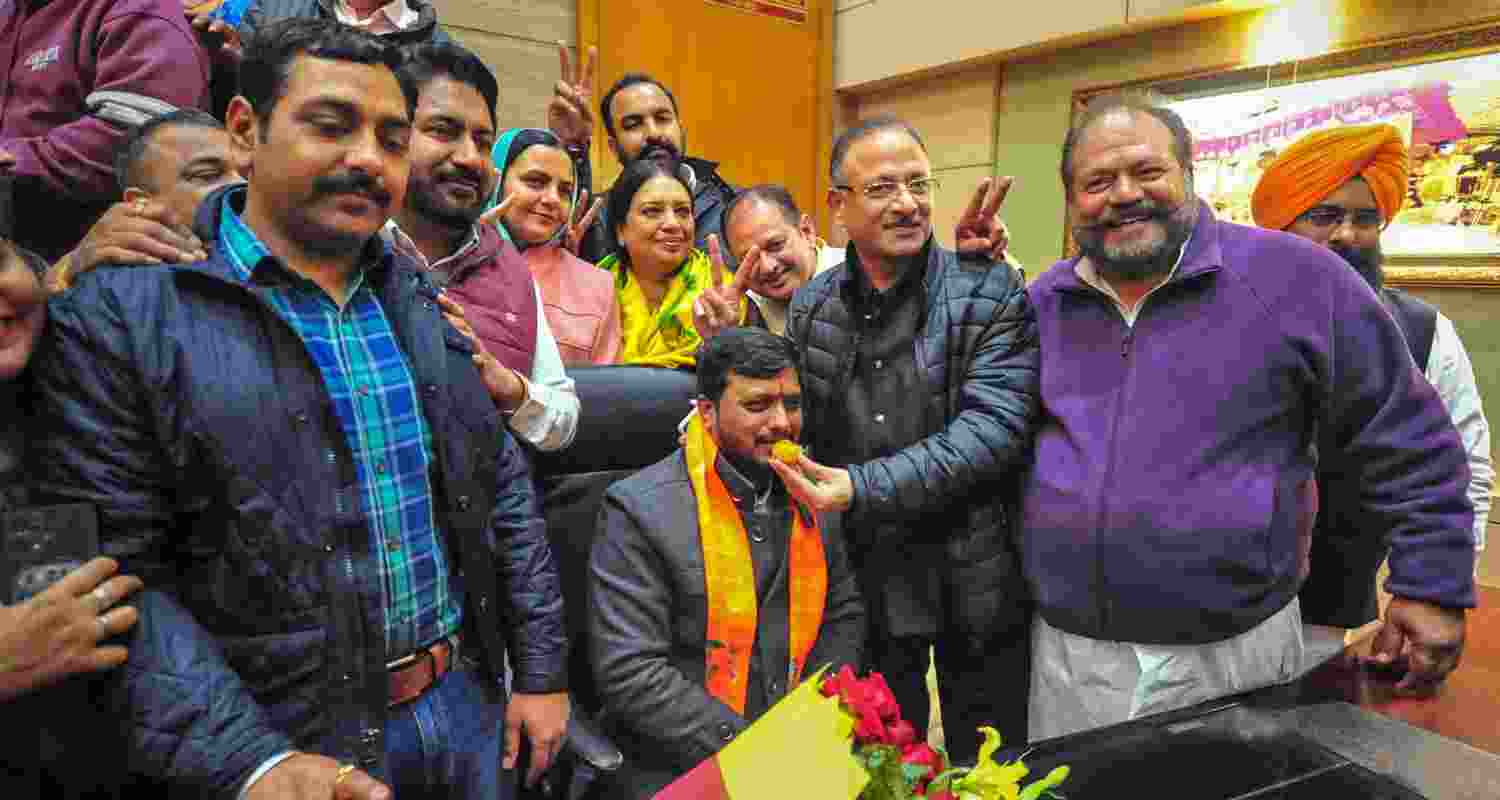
{"x":537,"y":20}
{"x":747,"y":85}
{"x":954,"y":113}
{"x":526,"y":71}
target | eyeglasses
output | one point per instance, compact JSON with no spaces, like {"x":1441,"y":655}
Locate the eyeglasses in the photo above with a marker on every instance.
{"x":1329,"y":216}
{"x":879,"y":191}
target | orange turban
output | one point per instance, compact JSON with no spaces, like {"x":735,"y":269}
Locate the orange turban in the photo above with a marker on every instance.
{"x":1316,"y":165}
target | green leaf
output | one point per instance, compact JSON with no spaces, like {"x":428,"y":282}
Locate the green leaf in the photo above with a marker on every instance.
{"x":1035,"y":790}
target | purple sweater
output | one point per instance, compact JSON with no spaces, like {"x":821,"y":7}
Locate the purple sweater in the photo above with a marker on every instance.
{"x":55,"y":53}
{"x":1171,"y":499}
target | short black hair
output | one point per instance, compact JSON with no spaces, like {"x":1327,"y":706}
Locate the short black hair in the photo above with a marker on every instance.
{"x":1131,"y":102}
{"x":773,"y":194}
{"x":132,"y":147}
{"x":625,"y":187}
{"x":630,"y":79}
{"x":848,"y":138}
{"x":428,"y":60}
{"x":746,"y":351}
{"x":267,"y":63}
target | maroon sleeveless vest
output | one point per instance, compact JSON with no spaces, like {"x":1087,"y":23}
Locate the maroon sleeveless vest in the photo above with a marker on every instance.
{"x":491,"y":281}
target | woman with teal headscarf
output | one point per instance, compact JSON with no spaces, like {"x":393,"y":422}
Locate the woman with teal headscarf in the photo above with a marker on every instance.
{"x":536,"y":176}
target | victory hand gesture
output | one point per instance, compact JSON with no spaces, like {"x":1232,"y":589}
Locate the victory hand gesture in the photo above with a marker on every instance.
{"x":570,"y":115}
{"x":577,"y":230}
{"x":718,"y":307}
{"x":980,"y":233}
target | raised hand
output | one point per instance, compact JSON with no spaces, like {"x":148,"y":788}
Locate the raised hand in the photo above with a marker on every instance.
{"x":579,"y":229}
{"x":570,"y":114}
{"x":494,"y":215}
{"x":718,"y":306}
{"x":980,"y":233}
{"x":220,"y":39}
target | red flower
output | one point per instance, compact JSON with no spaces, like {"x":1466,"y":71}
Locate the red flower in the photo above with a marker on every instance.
{"x":870,"y":730}
{"x":923,"y":755}
{"x":941,"y":794}
{"x":883,"y":699}
{"x":839,"y":683}
{"x":902,"y":734}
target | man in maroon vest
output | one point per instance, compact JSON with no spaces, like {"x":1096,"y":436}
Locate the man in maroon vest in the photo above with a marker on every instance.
{"x":490,"y":294}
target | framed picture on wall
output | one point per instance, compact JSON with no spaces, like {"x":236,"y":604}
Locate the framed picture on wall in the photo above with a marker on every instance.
{"x":1443,"y":94}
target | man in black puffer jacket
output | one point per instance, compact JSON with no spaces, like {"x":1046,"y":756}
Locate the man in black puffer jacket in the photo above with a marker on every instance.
{"x":920,"y":378}
{"x":290,"y":443}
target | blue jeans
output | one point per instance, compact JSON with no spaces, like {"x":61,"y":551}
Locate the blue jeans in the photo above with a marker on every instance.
{"x":448,"y":743}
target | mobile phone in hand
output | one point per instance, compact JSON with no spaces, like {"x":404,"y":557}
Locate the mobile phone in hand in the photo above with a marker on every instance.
{"x":41,"y":545}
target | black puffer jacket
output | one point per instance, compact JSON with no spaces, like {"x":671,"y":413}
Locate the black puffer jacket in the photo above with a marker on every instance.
{"x":952,"y":494}
{"x":182,"y":405}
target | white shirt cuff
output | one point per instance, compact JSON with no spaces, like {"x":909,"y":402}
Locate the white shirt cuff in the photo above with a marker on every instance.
{"x":260,"y":771}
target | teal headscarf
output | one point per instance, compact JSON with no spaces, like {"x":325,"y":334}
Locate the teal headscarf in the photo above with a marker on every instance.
{"x":508,"y":147}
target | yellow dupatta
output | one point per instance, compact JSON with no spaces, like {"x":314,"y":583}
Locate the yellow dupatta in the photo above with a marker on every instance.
{"x":729,"y":577}
{"x":664,"y":336}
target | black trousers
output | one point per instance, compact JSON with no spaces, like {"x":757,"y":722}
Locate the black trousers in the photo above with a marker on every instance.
{"x":979,"y":683}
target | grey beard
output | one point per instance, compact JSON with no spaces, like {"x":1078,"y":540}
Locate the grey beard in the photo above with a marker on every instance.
{"x":1157,"y":261}
{"x":1367,"y":262}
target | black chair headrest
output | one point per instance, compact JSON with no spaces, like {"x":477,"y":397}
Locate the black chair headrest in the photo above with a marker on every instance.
{"x":628,"y":418}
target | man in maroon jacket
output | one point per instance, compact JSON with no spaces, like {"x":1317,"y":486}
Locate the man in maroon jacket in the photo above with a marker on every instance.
{"x":77,"y":73}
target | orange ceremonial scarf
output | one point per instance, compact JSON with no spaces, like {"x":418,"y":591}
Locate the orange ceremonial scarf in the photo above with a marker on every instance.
{"x":729,"y":577}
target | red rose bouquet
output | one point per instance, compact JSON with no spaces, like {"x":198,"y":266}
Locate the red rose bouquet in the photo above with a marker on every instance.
{"x":902,"y":768}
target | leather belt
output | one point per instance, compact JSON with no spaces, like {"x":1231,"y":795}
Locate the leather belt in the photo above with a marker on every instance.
{"x":414,"y":674}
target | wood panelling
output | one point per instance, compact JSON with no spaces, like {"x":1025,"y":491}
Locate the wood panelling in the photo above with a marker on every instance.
{"x":954,"y":191}
{"x":880,"y":40}
{"x":537,"y":20}
{"x":747,"y":85}
{"x":955,"y":115}
{"x":526,"y":71}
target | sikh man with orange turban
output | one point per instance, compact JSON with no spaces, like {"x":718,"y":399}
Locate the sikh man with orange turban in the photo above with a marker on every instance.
{"x":1341,"y":187}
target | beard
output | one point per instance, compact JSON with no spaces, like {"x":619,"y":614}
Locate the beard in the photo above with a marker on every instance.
{"x":426,"y":198}
{"x":1138,"y":260}
{"x":1366,"y":261}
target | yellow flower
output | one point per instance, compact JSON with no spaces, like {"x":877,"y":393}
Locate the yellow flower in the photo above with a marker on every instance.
{"x":786,"y":451}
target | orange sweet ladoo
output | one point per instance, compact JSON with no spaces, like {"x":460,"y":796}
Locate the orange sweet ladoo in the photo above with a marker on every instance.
{"x":786,"y":451}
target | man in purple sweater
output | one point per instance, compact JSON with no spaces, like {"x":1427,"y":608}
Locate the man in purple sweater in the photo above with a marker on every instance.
{"x":77,"y":72}
{"x":1195,"y":375}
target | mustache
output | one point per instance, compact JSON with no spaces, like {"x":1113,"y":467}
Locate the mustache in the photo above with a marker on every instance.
{"x":454,"y":173}
{"x":655,"y":149}
{"x":352,"y":183}
{"x":1142,"y":208}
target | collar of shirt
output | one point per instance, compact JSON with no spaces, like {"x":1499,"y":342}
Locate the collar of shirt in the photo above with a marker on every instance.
{"x":254,"y":264}
{"x":403,"y":244}
{"x":867,"y":298}
{"x":1085,"y":271}
{"x":397,"y":15}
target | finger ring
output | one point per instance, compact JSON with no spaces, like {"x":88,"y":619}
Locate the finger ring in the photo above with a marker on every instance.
{"x":100,"y":598}
{"x":344,"y":770}
{"x":102,"y":626}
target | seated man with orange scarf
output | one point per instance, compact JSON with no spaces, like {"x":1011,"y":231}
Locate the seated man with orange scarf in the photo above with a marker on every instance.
{"x":712,"y":592}
{"x":1341,"y":187}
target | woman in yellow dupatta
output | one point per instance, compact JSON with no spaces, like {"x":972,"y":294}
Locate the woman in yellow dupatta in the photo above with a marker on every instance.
{"x":658,"y":272}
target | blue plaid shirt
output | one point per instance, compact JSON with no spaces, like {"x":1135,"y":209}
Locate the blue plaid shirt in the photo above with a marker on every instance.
{"x":375,"y":398}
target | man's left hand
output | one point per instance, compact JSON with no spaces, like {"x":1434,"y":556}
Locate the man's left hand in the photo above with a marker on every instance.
{"x":544,"y":720}
{"x":980,"y":233}
{"x":829,"y":490}
{"x":1431,"y":636}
